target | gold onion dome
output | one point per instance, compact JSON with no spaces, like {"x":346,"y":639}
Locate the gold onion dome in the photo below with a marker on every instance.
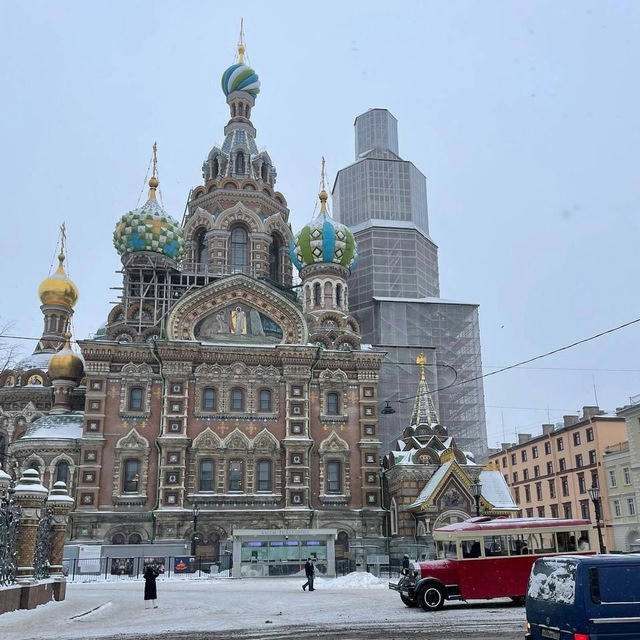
{"x":66,"y":364}
{"x":58,"y":289}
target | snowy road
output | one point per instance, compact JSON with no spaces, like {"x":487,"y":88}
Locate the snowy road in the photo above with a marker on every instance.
{"x":253,"y":609}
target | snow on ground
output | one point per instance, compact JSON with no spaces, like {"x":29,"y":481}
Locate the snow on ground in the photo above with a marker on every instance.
{"x":96,"y":609}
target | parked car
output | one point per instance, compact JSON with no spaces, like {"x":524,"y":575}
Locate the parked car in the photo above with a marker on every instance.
{"x":584,"y":598}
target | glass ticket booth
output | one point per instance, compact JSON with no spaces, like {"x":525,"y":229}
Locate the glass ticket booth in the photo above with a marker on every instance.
{"x":282,"y":552}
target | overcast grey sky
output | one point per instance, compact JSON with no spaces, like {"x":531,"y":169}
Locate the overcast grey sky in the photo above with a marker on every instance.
{"x":522,"y":115}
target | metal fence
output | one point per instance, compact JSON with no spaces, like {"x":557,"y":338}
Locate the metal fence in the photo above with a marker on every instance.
{"x":9,"y":528}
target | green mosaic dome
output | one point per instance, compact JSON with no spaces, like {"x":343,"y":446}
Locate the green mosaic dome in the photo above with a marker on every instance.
{"x":149,"y":228}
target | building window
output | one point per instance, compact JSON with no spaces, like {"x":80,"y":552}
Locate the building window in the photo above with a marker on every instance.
{"x":530,"y":512}
{"x":565,"y":486}
{"x":135,"y":399}
{"x":523,"y":455}
{"x":62,"y":472}
{"x":514,"y":460}
{"x":504,"y":462}
{"x":527,"y":493}
{"x":334,"y":484}
{"x":547,"y":448}
{"x":536,"y":471}
{"x":517,"y":494}
{"x":631,"y":505}
{"x":549,"y":468}
{"x":554,"y":510}
{"x":265,"y":400}
{"x":584,"y":509}
{"x":617,"y":511}
{"x":552,"y":488}
{"x":539,"y":490}
{"x":506,"y":478}
{"x":612,"y":478}
{"x":333,"y":403}
{"x":209,"y":399}
{"x":274,"y":259}
{"x":118,"y":538}
{"x":238,"y":249}
{"x":595,"y":481}
{"x":206,"y":475}
{"x":317,"y":296}
{"x":592,"y":456}
{"x":582,"y":485}
{"x":525,"y":474}
{"x":590,"y":434}
{"x":559,"y":444}
{"x":264,"y":475}
{"x":236,"y":473}
{"x":579,"y":460}
{"x":515,"y":476}
{"x":562,"y":464}
{"x":627,"y":475}
{"x":131,"y":476}
{"x":534,"y":452}
{"x":237,"y":399}
{"x":540,"y":512}
{"x":567,"y":510}
{"x":576,"y":438}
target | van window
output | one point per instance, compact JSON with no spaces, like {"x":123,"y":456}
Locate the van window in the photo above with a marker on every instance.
{"x":613,"y":585}
{"x":553,"y":581}
{"x":470,"y":548}
{"x":496,"y":546}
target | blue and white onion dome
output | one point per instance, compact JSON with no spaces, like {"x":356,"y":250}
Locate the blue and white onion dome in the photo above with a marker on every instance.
{"x":324,"y":240}
{"x":149,"y":228}
{"x":240,"y":77}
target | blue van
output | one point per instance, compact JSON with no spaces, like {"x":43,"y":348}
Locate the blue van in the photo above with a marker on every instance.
{"x":584,"y":598}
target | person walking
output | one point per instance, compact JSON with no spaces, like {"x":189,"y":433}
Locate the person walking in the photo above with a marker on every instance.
{"x":309,"y":571}
{"x":150,"y":593}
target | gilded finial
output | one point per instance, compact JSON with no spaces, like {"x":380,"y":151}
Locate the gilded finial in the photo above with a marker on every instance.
{"x":153,"y":180}
{"x":323,"y":194}
{"x":241,"y":47}
{"x":422,"y":361}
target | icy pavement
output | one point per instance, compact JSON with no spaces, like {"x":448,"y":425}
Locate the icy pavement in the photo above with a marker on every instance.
{"x":254,"y":608}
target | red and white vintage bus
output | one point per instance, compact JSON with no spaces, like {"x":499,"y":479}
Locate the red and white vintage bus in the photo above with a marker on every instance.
{"x":484,"y":558}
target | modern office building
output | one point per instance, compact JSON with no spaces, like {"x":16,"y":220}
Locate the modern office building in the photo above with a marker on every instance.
{"x":395,"y":293}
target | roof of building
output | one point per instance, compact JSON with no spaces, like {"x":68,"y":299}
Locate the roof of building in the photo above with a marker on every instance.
{"x":495,"y":490}
{"x":35,"y":361}
{"x":61,"y":426}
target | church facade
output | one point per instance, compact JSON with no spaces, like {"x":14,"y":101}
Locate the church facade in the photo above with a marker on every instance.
{"x":215,"y":383}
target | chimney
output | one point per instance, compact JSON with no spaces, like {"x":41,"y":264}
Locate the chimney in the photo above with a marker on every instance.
{"x":590,"y":411}
{"x":548,"y":428}
{"x":504,"y":445}
{"x":570,"y":420}
{"x":523,"y":437}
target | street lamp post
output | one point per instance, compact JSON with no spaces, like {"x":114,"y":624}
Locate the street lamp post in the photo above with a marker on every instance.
{"x":594,"y":494}
{"x":194,"y":535}
{"x":476,"y":490}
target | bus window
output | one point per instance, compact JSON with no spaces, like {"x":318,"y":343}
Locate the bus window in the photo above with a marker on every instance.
{"x":543,"y":543}
{"x":519,"y":545}
{"x":446,"y":550}
{"x":470,"y":548}
{"x":583,"y":541}
{"x":495,"y":546}
{"x":566,"y":542}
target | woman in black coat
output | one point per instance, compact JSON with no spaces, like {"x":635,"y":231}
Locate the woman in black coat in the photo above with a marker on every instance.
{"x":150,"y":594}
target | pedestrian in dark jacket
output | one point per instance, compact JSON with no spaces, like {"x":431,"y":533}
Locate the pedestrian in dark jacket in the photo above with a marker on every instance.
{"x":309,"y":571}
{"x":405,"y":565}
{"x":150,"y":594}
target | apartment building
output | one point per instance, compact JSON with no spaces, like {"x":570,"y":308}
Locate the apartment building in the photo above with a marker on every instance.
{"x":549,"y":475}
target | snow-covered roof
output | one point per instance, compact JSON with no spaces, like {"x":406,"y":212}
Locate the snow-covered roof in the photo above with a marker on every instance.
{"x":495,"y":489}
{"x":64,"y":426}
{"x":431,"y":485}
{"x":35,"y":361}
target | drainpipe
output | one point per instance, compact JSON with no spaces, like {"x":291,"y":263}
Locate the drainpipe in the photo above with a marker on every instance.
{"x":156,"y":355}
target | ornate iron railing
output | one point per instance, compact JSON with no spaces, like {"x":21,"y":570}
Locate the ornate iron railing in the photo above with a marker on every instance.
{"x":42,"y":553}
{"x":9,"y":526}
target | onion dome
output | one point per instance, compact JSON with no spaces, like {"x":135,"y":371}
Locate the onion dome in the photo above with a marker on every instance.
{"x":58,"y":289}
{"x":240,"y":77}
{"x":324,"y":240}
{"x":149,"y":228}
{"x":66,"y":364}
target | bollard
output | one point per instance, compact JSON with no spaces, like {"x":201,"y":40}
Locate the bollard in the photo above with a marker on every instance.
{"x":61,"y":504}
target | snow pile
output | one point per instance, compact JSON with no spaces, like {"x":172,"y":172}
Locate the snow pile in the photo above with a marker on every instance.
{"x":553,"y":581}
{"x":355,"y":580}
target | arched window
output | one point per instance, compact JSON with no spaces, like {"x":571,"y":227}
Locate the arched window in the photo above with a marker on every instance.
{"x":317,"y":295}
{"x":238,"y":249}
{"x":236,"y":473}
{"x":62,"y":472}
{"x":215,"y":168}
{"x":201,"y":248}
{"x":274,"y":259}
{"x":333,"y":404}
{"x":264,"y":475}
{"x":206,"y":475}
{"x":131,"y":478}
{"x":209,"y":399}
{"x":117,"y":538}
{"x":339,"y":296}
{"x":135,"y":399}
{"x":240,"y":162}
{"x":265,"y":400}
{"x":135,"y":538}
{"x":265,"y":172}
{"x":394,"y":517}
{"x":237,"y":399}
{"x":334,"y":476}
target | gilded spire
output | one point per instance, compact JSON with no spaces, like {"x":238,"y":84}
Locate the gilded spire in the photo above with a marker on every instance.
{"x":241,"y":47}
{"x":323,"y":194}
{"x":57,"y":289}
{"x":153,"y":180}
{"x":424,"y":411}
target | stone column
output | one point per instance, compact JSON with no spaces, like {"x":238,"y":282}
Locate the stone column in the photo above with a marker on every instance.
{"x":30,"y":496}
{"x":61,"y":504}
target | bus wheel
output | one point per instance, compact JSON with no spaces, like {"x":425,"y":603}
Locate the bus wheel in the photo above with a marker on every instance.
{"x":410,"y":602}
{"x":431,"y":597}
{"x":517,"y":600}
